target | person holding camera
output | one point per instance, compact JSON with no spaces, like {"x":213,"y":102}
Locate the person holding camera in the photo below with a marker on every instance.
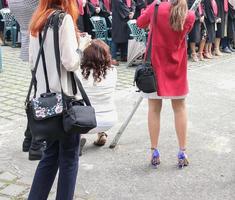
{"x":60,"y":154}
{"x":122,"y":11}
{"x":169,"y":28}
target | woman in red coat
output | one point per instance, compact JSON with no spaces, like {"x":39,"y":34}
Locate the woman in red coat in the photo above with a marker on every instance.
{"x":169,"y":60}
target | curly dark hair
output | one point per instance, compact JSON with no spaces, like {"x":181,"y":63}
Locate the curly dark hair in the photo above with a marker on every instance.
{"x":96,"y":57}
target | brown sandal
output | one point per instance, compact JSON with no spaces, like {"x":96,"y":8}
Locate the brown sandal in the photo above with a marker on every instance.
{"x":102,"y":138}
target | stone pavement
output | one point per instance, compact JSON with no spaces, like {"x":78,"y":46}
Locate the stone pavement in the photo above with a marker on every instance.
{"x":124,"y":173}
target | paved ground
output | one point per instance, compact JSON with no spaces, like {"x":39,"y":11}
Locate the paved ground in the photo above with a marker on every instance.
{"x":124,"y":173}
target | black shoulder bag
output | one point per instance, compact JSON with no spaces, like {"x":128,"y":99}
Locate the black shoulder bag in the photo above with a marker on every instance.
{"x":44,"y":113}
{"x":145,"y":78}
{"x":78,"y":116}
{"x":50,"y":116}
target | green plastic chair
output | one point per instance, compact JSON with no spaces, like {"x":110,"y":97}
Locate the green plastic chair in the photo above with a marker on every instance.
{"x":10,"y":24}
{"x":100,"y":29}
{"x":138,"y":34}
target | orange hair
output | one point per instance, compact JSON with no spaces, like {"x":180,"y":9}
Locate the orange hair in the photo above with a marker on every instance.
{"x":46,"y":7}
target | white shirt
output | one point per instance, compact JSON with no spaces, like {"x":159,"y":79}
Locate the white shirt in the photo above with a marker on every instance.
{"x":70,"y":59}
{"x":101,"y":95}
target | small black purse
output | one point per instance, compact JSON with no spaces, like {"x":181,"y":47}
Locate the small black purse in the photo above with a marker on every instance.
{"x":145,"y":77}
{"x":78,"y":115}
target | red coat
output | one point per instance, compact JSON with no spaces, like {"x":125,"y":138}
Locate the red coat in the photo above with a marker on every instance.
{"x":169,"y":50}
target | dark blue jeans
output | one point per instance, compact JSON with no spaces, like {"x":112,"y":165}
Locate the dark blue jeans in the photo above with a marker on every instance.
{"x":62,"y":155}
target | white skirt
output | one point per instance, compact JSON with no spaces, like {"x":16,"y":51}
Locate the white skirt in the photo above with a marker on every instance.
{"x":154,"y":95}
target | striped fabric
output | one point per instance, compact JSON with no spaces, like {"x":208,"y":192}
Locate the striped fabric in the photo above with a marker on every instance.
{"x":23,"y":10}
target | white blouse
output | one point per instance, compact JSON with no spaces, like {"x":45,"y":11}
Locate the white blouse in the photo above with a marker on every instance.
{"x":70,"y":59}
{"x":101,"y":95}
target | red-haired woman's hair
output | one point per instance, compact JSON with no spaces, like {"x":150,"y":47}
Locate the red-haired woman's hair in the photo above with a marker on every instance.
{"x":46,"y":7}
{"x":179,"y":10}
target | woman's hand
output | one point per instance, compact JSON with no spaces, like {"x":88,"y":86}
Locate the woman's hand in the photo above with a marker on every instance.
{"x":202,"y":19}
{"x":131,"y":15}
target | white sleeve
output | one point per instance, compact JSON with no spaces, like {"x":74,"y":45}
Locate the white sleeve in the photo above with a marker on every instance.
{"x":68,"y":45}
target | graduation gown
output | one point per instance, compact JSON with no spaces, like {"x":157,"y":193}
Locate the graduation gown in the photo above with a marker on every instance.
{"x":210,"y":19}
{"x":220,"y":33}
{"x":231,"y":23}
{"x":140,"y":4}
{"x":120,"y":16}
{"x":103,"y":11}
{"x":195,"y":33}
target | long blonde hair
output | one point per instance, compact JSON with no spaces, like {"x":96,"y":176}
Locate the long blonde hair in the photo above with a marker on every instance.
{"x":178,"y":14}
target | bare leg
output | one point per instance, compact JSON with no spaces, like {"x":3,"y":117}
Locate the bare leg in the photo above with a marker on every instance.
{"x":201,"y":49}
{"x":154,"y":121}
{"x":217,"y":45}
{"x":207,"y":54}
{"x":180,"y":114}
{"x":193,"y":54}
{"x":210,"y":50}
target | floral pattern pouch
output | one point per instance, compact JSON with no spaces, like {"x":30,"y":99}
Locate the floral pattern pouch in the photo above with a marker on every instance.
{"x":47,"y":105}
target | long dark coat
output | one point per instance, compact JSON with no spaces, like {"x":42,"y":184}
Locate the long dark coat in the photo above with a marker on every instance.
{"x":220,"y":33}
{"x":210,"y":19}
{"x":231,"y":23}
{"x":120,"y":16}
{"x":195,"y":34}
{"x":140,"y":4}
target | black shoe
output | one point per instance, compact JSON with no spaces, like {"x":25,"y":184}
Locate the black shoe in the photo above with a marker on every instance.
{"x":231,"y":49}
{"x":226,"y":50}
{"x":82,"y":144}
{"x":26,"y":144}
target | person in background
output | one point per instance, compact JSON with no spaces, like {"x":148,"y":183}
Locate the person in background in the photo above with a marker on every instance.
{"x":60,"y":154}
{"x":211,"y":12}
{"x":140,"y":4}
{"x":195,"y":33}
{"x":97,"y":8}
{"x":23,"y":10}
{"x":99,"y":81}
{"x":81,"y":23}
{"x":3,"y":4}
{"x":122,"y":11}
{"x":229,"y":28}
{"x":231,"y":25}
{"x":220,"y":25}
{"x":203,"y":33}
{"x":169,"y":61}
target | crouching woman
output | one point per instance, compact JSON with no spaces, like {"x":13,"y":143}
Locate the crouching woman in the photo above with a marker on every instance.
{"x":99,"y":81}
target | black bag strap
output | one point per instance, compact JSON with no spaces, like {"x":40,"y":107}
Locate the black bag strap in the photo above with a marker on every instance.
{"x":33,"y":79}
{"x":154,"y":21}
{"x":44,"y":65}
{"x":58,"y":60}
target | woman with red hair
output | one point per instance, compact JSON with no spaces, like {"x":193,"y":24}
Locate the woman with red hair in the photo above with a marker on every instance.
{"x":59,"y":154}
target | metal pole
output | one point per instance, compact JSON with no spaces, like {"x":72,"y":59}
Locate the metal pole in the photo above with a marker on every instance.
{"x":124,"y":125}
